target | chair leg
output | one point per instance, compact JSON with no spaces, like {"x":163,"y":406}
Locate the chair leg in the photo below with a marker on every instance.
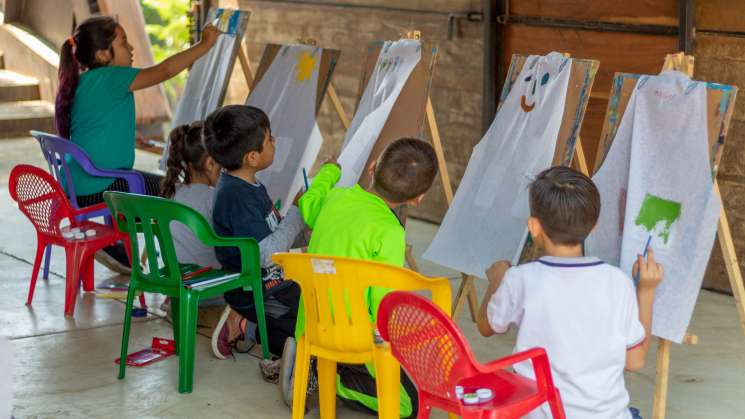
{"x":125,"y":329}
{"x":188,"y":331}
{"x":326,"y":387}
{"x":424,"y":409}
{"x":86,"y":272}
{"x":175,"y":311}
{"x":387,"y":382}
{"x":261,"y":318}
{"x":128,"y":248}
{"x":47,"y":260}
{"x":300,"y":386}
{"x":72,"y":279}
{"x":35,"y":271}
{"x":557,"y":408}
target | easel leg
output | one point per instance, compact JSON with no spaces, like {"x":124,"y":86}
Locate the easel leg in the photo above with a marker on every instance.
{"x":663,"y":371}
{"x":466,"y":291}
{"x":579,"y":157}
{"x":245,"y":66}
{"x":338,"y":106}
{"x":730,"y":262}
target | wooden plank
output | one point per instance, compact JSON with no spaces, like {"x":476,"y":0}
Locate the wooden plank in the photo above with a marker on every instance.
{"x":409,"y":112}
{"x":658,"y":12}
{"x":329,"y":58}
{"x":723,"y":15}
{"x":720,"y":105}
{"x":633,"y":53}
{"x":151,"y":103}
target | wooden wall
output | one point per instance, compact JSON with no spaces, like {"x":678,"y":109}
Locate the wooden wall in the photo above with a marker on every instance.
{"x":535,"y":27}
{"x":719,"y":47}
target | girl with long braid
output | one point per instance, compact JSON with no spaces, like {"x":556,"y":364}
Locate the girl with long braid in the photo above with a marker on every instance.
{"x":95,"y":107}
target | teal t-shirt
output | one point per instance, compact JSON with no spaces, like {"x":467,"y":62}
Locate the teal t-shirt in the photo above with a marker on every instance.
{"x":103,"y":124}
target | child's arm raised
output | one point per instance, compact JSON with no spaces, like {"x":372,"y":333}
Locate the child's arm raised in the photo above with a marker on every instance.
{"x":650,"y":276}
{"x":311,"y":202}
{"x":494,"y":274}
{"x":175,"y":64}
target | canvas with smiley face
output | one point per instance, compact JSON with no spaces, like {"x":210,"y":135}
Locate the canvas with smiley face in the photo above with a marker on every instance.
{"x":487,"y":219}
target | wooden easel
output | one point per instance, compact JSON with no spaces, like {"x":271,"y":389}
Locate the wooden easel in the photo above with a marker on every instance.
{"x":437,"y":143}
{"x":568,"y":149}
{"x":718,"y":124}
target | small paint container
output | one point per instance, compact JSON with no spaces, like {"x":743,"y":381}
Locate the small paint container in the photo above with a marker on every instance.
{"x":90,"y":233}
{"x":79,"y":235}
{"x":459,"y":392}
{"x":69,"y":235}
{"x":471,"y":398}
{"x":484,"y":394}
{"x":75,"y":230}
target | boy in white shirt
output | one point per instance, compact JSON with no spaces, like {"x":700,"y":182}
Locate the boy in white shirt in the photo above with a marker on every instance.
{"x":586,"y":314}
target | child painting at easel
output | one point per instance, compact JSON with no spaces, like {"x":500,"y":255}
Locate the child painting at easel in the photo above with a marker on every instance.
{"x":587,"y":314}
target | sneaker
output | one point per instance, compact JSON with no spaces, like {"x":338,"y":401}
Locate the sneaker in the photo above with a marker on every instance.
{"x":273,"y":280}
{"x":115,"y":258}
{"x":270,"y":370}
{"x":287,"y":375}
{"x":226,"y":333}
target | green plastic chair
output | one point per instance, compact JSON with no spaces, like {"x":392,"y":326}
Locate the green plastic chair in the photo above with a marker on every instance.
{"x":148,"y":216}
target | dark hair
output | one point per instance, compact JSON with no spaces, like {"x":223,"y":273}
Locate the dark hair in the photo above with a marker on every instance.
{"x":79,"y":53}
{"x":185,"y":153}
{"x":405,"y":170}
{"x":567,"y":204}
{"x":234,"y":130}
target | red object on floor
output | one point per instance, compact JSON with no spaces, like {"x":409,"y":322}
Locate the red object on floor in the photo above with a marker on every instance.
{"x":437,"y":357}
{"x":41,"y":198}
{"x":160,"y":349}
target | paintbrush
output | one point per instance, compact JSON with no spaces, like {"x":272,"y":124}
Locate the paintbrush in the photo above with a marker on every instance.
{"x":644,"y":255}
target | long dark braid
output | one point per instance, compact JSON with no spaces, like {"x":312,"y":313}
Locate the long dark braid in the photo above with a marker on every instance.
{"x":185,"y":152}
{"x":78,"y":53}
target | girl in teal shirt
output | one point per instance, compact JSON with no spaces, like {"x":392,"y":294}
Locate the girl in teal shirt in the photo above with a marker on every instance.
{"x":95,"y":107}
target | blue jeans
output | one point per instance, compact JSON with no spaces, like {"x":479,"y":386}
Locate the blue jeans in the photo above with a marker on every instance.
{"x":635,"y":413}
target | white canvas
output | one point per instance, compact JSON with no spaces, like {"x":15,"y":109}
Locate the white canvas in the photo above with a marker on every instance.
{"x":287,"y":93}
{"x":656,"y":182}
{"x":211,"y":72}
{"x":487,"y":219}
{"x":394,"y":66}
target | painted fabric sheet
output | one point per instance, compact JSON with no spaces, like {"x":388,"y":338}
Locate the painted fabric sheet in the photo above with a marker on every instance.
{"x":394,"y":66}
{"x":656,"y":181}
{"x":287,"y":93}
{"x":487,"y":219}
{"x":210,"y":74}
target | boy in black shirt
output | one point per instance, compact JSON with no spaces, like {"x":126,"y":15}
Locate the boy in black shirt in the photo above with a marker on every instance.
{"x":239,"y":138}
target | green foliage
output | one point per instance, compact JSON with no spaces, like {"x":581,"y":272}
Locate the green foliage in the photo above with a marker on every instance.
{"x":167,"y":27}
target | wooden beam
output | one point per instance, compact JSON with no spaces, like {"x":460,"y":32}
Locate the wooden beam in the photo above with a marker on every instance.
{"x":338,"y":106}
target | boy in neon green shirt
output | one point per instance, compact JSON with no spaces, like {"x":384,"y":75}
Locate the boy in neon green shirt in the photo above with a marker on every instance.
{"x":358,"y":223}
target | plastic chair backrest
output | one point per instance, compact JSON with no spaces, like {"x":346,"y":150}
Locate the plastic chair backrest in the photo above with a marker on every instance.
{"x":40,"y":198}
{"x":55,"y":149}
{"x":426,"y":342}
{"x":334,"y":293}
{"x":152,"y":216}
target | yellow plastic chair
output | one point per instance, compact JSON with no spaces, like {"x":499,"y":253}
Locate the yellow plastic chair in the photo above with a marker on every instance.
{"x":338,"y":327}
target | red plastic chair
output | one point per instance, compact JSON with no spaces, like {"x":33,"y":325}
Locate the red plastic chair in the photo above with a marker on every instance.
{"x":41,"y":199}
{"x":435,"y":354}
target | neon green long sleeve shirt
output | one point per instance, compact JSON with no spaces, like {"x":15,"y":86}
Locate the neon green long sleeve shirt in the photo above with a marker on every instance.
{"x":350,"y":222}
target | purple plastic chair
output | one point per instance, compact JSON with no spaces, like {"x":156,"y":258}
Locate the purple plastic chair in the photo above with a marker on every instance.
{"x":55,"y":149}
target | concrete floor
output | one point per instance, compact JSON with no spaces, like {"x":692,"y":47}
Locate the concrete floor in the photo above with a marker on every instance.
{"x":65,"y":367}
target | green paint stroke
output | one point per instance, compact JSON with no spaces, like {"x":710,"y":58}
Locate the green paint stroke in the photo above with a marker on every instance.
{"x":657,"y":212}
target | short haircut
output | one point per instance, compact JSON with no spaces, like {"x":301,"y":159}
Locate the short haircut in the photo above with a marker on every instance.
{"x":405,"y":170}
{"x":233,"y":131}
{"x":567,"y":204}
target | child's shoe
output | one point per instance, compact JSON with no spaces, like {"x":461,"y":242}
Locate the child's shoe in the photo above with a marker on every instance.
{"x":226,"y":333}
